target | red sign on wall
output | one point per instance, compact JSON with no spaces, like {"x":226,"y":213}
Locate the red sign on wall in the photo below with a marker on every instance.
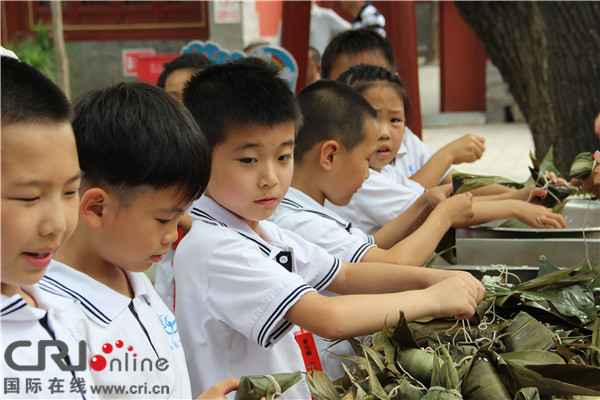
{"x":130,"y":56}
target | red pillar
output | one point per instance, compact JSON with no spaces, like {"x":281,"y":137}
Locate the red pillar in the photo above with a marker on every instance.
{"x":401,"y":30}
{"x":295,"y":32}
{"x":462,"y":63}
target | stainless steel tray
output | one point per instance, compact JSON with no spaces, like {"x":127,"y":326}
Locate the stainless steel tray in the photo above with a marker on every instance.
{"x":491,"y":244}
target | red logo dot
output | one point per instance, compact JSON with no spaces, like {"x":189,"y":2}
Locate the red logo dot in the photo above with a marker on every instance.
{"x":130,"y":348}
{"x":98,"y":363}
{"x":119,"y":343}
{"x":135,"y":354}
{"x":107,"y":348}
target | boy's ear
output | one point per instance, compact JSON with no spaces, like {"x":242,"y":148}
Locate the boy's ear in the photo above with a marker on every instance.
{"x":91,"y":206}
{"x":329,"y":152}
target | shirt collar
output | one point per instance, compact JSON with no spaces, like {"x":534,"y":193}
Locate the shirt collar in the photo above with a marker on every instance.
{"x":99,"y":302}
{"x":209,"y":211}
{"x":15,"y":308}
{"x":298,"y":200}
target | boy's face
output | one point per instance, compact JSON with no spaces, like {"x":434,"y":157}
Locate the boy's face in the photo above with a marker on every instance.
{"x":252,"y":170}
{"x":176,"y":81}
{"x":344,"y":61}
{"x":40,"y":180}
{"x":390,"y":117}
{"x":139,"y":234}
{"x":351,"y":167}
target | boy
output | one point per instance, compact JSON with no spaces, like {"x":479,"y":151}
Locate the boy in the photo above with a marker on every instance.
{"x":333,"y":147}
{"x":144,"y":159}
{"x":250,"y":281}
{"x":173,"y":79}
{"x":178,"y":72}
{"x":40,"y":178}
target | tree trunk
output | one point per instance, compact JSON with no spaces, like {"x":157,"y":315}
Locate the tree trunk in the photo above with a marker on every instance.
{"x":549,"y":54}
{"x":59,"y":45}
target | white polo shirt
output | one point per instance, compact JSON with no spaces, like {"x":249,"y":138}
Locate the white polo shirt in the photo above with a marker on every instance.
{"x":301,"y":214}
{"x":21,"y":322}
{"x":412,"y":156}
{"x":382,"y":197}
{"x":234,"y":288}
{"x":138,"y":338}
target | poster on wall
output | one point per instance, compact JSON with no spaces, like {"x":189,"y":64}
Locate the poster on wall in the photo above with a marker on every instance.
{"x":226,"y":11}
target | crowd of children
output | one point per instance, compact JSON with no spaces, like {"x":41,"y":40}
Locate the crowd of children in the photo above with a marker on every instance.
{"x":300,"y":213}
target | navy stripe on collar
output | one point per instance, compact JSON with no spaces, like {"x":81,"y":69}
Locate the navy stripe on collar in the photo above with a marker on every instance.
{"x":206,"y":217}
{"x":88,"y":305}
{"x":14,"y":306}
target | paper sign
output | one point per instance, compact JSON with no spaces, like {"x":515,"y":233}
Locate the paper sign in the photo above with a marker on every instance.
{"x":130,"y":56}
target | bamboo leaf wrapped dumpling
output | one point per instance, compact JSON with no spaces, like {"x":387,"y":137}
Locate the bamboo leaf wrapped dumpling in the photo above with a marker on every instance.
{"x":269,"y":386}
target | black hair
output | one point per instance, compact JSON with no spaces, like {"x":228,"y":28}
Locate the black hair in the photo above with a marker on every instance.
{"x":29,"y":96}
{"x":243,"y":92}
{"x":356,"y":41}
{"x":195,"y":61}
{"x":134,"y":134}
{"x":361,"y":77}
{"x":331,"y":110}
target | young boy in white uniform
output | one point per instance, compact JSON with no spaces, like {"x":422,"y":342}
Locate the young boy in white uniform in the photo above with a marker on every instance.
{"x":243,"y":283}
{"x":40,"y":178}
{"x":334,"y":144}
{"x":144,"y":159}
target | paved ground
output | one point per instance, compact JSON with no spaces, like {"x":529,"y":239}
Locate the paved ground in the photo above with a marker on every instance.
{"x":507,"y":144}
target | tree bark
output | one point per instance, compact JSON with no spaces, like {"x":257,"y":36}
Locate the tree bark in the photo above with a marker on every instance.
{"x":59,"y":45}
{"x":549,"y":55}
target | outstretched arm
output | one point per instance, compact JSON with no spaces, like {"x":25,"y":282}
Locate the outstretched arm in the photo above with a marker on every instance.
{"x":468,"y":148}
{"x":533,"y":215}
{"x":435,"y":293}
{"x":420,"y":245}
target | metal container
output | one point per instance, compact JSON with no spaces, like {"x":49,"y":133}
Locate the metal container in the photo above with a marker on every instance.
{"x":490,"y":244}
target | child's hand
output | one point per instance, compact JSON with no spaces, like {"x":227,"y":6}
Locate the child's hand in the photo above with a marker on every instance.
{"x":457,"y":296}
{"x":591,"y":184}
{"x":538,"y":216}
{"x":219,"y":390}
{"x":458,"y":208}
{"x":468,"y":148}
{"x":529,"y":193}
{"x":437,"y":194}
{"x":555,"y":179}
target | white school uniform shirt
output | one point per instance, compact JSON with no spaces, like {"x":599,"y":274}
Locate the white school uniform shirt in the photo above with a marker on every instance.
{"x":49,"y":321}
{"x":132,"y":334}
{"x":324,"y":25}
{"x":412,"y":156}
{"x":301,"y":214}
{"x":234,"y":288}
{"x":382,"y":197}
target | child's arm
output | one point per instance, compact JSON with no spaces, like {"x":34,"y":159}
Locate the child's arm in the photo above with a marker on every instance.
{"x":428,"y":292}
{"x":533,"y":215}
{"x":420,"y":245}
{"x":220,"y":390}
{"x":468,"y":148}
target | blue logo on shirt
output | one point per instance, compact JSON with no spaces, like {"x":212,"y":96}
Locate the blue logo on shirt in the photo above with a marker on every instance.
{"x":170,"y":328}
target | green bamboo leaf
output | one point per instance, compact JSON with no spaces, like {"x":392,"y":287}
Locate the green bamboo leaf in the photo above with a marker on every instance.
{"x":530,"y":393}
{"x":582,"y":165}
{"x":321,"y":387}
{"x":463,"y":182}
{"x":526,"y":333}
{"x":531,"y":357}
{"x":482,"y":381}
